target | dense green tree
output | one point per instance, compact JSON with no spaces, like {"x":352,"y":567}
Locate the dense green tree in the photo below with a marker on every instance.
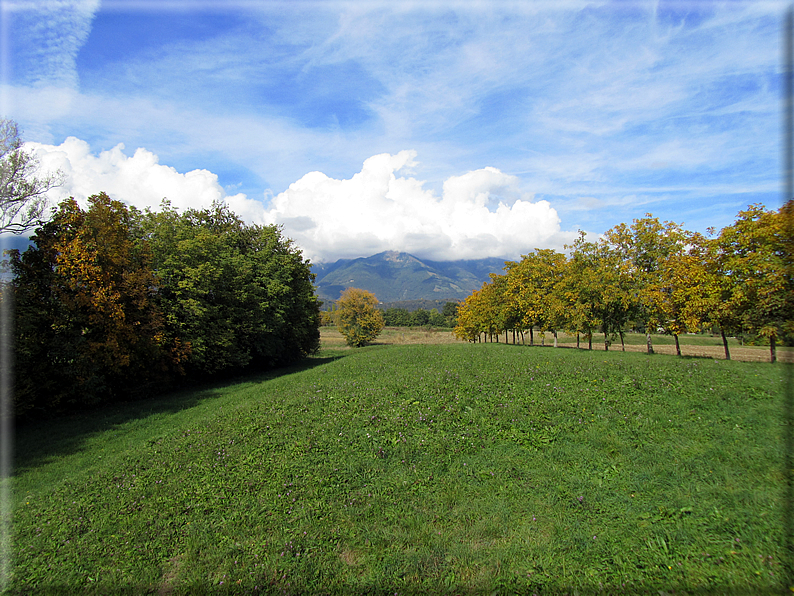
{"x":420,"y":317}
{"x":358,"y":317}
{"x":397,"y":317}
{"x":450,"y":309}
{"x":436,"y":319}
{"x":239,"y":295}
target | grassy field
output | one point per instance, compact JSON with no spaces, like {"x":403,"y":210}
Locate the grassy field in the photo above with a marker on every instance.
{"x":405,"y":469}
{"x":704,"y":346}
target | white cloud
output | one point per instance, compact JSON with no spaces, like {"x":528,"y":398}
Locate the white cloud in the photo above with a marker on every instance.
{"x":138,"y":180}
{"x":481,"y":213}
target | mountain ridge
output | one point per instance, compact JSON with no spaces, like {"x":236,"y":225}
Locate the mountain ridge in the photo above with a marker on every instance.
{"x":399,"y":276}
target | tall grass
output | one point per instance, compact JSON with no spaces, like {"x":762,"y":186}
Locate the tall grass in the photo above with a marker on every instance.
{"x":458,"y":468}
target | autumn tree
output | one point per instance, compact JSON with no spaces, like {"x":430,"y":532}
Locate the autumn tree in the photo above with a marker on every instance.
{"x":531,"y":285}
{"x":642,"y":250}
{"x":468,"y":324}
{"x":478,"y":315}
{"x":748,"y":262}
{"x":88,"y":328}
{"x":358,"y":317}
{"x":581,"y":289}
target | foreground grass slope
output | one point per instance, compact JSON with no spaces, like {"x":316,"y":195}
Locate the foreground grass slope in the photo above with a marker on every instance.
{"x":417,"y":469}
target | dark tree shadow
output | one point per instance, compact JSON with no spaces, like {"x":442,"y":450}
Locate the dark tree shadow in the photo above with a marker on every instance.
{"x":38,"y":441}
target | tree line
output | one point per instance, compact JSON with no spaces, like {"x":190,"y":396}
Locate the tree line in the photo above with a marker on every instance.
{"x":650,"y":276}
{"x":402,"y":317}
{"x":113,"y":303}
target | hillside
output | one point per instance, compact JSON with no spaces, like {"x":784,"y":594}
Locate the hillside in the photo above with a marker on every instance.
{"x":397,"y":276}
{"x":416,"y":469}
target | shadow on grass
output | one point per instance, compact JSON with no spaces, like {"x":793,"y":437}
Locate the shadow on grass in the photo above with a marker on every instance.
{"x":37,"y":442}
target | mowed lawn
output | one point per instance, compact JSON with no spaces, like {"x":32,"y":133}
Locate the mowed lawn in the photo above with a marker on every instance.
{"x":408,"y":469}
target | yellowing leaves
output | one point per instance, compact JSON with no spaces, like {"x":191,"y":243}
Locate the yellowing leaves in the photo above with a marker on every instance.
{"x":358,"y":317}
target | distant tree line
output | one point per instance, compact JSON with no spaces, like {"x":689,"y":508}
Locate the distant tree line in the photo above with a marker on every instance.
{"x":650,"y":276}
{"x":112,"y":303}
{"x":402,"y":317}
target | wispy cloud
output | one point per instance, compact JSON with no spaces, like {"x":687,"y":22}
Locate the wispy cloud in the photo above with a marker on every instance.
{"x":614,"y":106}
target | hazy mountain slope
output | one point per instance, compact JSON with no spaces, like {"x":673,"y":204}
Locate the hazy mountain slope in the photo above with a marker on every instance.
{"x":394,"y":276}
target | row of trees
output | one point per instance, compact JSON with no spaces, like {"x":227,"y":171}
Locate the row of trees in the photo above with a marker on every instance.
{"x":401,"y":317}
{"x":114,"y":303}
{"x":649,"y":276}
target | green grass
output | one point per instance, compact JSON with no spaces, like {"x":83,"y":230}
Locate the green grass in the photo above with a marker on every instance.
{"x":460,"y":469}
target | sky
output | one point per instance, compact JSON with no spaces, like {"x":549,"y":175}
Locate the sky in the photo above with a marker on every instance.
{"x":449,"y":130}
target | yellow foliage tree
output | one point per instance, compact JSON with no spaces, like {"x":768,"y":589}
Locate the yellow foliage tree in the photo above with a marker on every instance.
{"x":358,"y":317}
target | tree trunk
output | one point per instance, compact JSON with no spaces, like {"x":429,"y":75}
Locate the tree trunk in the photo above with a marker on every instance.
{"x":648,"y":339}
{"x":725,"y":344}
{"x":622,"y":345}
{"x":606,"y":342}
{"x":522,"y":338}
{"x":577,"y":340}
{"x":542,"y":339}
{"x":531,"y":337}
{"x":677,"y":345}
{"x":772,"y":349}
{"x":589,"y":341}
{"x":555,"y":339}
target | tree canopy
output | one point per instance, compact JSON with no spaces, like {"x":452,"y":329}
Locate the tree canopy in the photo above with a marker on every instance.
{"x":358,"y":317}
{"x":650,"y":276}
{"x":112,"y":303}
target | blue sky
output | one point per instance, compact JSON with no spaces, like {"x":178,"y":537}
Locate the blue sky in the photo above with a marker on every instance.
{"x":447,"y":129}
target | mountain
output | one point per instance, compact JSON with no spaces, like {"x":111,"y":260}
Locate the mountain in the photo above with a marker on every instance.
{"x":397,"y":276}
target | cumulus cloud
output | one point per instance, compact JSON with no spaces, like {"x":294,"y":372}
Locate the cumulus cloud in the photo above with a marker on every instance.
{"x":480,"y":213}
{"x":138,"y":180}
